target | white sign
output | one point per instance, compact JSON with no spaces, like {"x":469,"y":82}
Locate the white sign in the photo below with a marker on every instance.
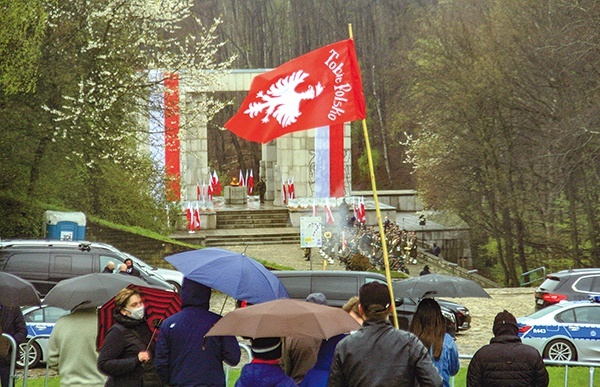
{"x":311,"y":231}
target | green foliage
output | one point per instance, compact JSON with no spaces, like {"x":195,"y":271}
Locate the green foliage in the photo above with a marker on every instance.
{"x":363,"y":162}
{"x":21,"y":34}
{"x":20,"y":219}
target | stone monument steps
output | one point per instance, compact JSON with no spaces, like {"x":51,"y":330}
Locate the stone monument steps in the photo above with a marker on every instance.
{"x":252,"y":219}
{"x":252,"y":236}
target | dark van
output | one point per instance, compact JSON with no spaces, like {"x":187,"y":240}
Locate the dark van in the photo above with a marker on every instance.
{"x":44,"y":262}
{"x":339,"y":286}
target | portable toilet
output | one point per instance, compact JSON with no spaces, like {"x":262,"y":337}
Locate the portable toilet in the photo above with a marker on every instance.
{"x":64,"y":226}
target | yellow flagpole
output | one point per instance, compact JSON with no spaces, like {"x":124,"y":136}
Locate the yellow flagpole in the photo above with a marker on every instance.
{"x":386,"y":260}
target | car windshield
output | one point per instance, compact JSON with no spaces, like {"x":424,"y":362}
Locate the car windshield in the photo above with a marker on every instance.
{"x":545,"y":311}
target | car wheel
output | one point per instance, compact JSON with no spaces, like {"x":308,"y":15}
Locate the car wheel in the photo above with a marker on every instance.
{"x":560,"y":350}
{"x":175,"y":285}
{"x":35,"y":355}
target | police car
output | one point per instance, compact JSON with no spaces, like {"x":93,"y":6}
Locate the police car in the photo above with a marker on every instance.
{"x":39,"y":321}
{"x":567,"y":331}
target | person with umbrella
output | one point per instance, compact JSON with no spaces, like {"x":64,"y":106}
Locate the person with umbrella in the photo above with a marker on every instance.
{"x":181,"y":358}
{"x":379,"y":354}
{"x":126,"y":354}
{"x":72,"y":348}
{"x":13,"y":324}
{"x":264,"y":369}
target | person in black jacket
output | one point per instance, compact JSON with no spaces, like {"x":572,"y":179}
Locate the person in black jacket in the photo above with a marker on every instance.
{"x":128,"y":348}
{"x":506,"y":361}
{"x":130,"y":269}
{"x":13,"y":324}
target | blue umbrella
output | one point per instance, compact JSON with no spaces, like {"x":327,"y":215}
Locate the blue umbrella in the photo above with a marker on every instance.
{"x":231,"y":273}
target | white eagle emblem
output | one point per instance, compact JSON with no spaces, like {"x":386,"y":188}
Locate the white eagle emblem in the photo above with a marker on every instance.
{"x":282,"y":101}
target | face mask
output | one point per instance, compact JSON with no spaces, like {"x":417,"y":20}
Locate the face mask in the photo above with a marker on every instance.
{"x":136,"y":314}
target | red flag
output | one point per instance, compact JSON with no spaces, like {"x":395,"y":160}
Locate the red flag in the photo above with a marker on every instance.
{"x":283,"y":191}
{"x":362,"y":212}
{"x":190,"y":217}
{"x":328,"y":213}
{"x":291,"y":193}
{"x":198,"y":191}
{"x":242,"y":181}
{"x":216,"y":184}
{"x":197,"y":217}
{"x":211,"y":187}
{"x":320,"y":88}
{"x":250,"y":182}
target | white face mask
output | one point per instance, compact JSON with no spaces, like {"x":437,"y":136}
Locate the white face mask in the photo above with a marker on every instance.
{"x":136,"y":314}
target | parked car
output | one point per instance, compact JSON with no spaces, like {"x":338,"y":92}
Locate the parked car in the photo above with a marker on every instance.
{"x":565,"y":331}
{"x":567,"y":285}
{"x":40,"y":320}
{"x":46,"y":262}
{"x":340,"y":286}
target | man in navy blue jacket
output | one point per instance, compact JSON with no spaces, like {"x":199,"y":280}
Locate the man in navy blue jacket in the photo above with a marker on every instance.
{"x":180,"y":358}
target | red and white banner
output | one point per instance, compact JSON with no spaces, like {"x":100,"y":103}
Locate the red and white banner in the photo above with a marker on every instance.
{"x":329,"y":161}
{"x":242,"y":180}
{"x":321,"y":88}
{"x":211,"y":187}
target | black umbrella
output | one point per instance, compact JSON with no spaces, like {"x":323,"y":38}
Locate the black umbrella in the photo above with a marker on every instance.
{"x":90,"y":290}
{"x":15,"y":291}
{"x":438,"y":285}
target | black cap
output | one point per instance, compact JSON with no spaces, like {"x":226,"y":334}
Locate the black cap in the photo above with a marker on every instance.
{"x":374,"y":297}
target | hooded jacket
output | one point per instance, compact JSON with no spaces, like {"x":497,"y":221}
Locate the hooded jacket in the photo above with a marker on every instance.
{"x":259,"y":374}
{"x":183,"y":356}
{"x":506,"y":361}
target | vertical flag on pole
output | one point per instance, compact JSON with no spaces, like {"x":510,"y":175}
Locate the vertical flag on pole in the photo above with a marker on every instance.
{"x":242,"y":181}
{"x":283,"y":191}
{"x":250,"y":182}
{"x":291,"y":193}
{"x":172,"y":143}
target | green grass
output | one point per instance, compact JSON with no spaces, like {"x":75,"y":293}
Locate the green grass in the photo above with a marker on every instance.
{"x":578,"y":376}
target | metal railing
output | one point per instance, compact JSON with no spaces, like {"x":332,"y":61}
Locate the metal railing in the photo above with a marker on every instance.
{"x":534,"y":275}
{"x":592,"y":367}
{"x":13,"y":359}
{"x":245,"y":348}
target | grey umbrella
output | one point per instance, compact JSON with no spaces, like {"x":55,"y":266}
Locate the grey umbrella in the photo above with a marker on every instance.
{"x":15,"y":291}
{"x":438,"y":285}
{"x":90,"y":290}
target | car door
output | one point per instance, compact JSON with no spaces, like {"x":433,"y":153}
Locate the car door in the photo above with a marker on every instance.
{"x":32,"y":266}
{"x":64,"y":265}
{"x":337,"y":288}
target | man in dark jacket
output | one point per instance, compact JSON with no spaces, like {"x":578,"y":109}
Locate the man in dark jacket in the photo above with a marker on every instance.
{"x":379,"y":354}
{"x":181,"y":357}
{"x":13,"y":324}
{"x":130,"y":269}
{"x":506,"y":361}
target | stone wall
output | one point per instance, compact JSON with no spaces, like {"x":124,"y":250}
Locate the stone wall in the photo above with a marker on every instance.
{"x":149,"y":250}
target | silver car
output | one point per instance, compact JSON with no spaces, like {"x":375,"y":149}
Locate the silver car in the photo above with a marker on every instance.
{"x":567,"y":331}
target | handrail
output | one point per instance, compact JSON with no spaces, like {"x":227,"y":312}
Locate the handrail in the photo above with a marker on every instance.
{"x":26,"y":360}
{"x":529,"y":273}
{"x":591,"y":365}
{"x":13,"y":359}
{"x":248,"y":351}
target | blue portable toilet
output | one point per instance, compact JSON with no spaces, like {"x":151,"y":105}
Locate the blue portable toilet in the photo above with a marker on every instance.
{"x":64,"y":226}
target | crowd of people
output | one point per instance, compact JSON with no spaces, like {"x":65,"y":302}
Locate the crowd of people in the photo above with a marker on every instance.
{"x":357,"y":238}
{"x":377,"y":354}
